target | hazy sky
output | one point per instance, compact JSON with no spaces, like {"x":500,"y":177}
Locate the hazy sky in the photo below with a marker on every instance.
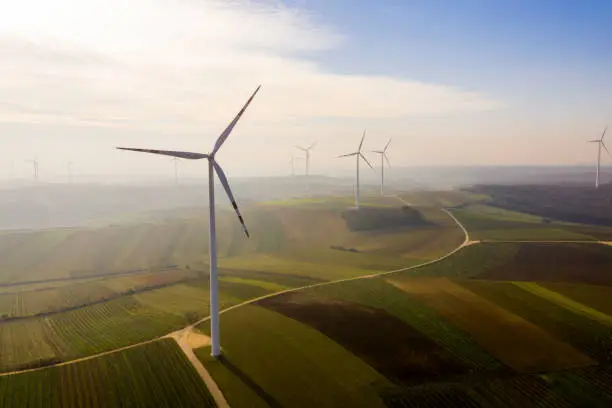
{"x":452,"y":82}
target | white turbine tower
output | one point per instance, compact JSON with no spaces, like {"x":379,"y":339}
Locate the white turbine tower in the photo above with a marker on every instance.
{"x":307,"y":150}
{"x":34,"y":167}
{"x":213,"y":167}
{"x":358,"y":156}
{"x":383,"y":157}
{"x":601,"y":144}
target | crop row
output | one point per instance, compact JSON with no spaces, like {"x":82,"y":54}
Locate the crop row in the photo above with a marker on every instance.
{"x":156,"y":374}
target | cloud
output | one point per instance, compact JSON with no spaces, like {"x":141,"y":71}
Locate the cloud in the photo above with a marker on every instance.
{"x":183,"y":64}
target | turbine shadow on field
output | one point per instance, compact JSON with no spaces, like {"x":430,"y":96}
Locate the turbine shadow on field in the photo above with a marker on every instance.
{"x":248,"y":381}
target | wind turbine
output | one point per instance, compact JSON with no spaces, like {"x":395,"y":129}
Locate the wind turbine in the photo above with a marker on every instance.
{"x":213,"y":167}
{"x":358,"y":156}
{"x":383,"y":157}
{"x":34,"y":167}
{"x":307,"y":150}
{"x":601,"y":144}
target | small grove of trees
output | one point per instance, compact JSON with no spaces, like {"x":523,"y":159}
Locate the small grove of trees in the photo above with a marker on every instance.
{"x":380,"y":218}
{"x":192,"y":317}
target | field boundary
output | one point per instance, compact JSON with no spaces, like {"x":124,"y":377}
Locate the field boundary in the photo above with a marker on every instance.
{"x":95,"y":276}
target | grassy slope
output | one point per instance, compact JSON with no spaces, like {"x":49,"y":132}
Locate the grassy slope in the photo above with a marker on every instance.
{"x":286,"y":363}
{"x":157,"y":374}
{"x":281,"y":234}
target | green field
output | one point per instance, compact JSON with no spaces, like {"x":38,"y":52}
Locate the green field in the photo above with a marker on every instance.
{"x":153,"y":375}
{"x":272,"y":360}
{"x":489,"y":223}
{"x":54,"y":299}
{"x":439,"y":342}
{"x":543,"y":262}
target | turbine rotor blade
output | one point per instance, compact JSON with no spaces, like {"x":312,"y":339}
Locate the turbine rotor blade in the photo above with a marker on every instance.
{"x":604,"y":146}
{"x":604,"y":133}
{"x":361,"y":143}
{"x":387,"y":145}
{"x":228,"y":191}
{"x":182,"y":155}
{"x":348,"y":155}
{"x":312,"y":145}
{"x":301,"y":148}
{"x":377,"y":151}
{"x":223,"y":137}
{"x":387,"y":159}
{"x":366,"y":160}
{"x":594,"y":141}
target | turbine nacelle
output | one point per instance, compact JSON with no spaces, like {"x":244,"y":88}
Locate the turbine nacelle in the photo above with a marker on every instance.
{"x":383,"y":152}
{"x":358,"y":152}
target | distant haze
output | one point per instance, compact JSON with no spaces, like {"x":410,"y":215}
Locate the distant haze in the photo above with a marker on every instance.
{"x":472,"y":83}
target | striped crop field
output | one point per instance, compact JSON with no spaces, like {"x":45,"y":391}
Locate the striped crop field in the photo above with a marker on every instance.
{"x":595,"y":296}
{"x":575,"y":323}
{"x":401,"y":353}
{"x":154,"y":375}
{"x":111,"y":325}
{"x":24,"y":343}
{"x":377,"y":293}
{"x":515,"y":341}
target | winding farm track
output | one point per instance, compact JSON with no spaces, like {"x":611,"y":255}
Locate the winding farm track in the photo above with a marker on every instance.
{"x":180,"y":335}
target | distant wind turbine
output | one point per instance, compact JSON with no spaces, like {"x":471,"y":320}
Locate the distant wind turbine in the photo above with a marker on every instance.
{"x":213,"y":167}
{"x":34,"y":167}
{"x":601,"y":144}
{"x":292,"y":162}
{"x":358,"y":156}
{"x":383,"y":157}
{"x":307,"y":150}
